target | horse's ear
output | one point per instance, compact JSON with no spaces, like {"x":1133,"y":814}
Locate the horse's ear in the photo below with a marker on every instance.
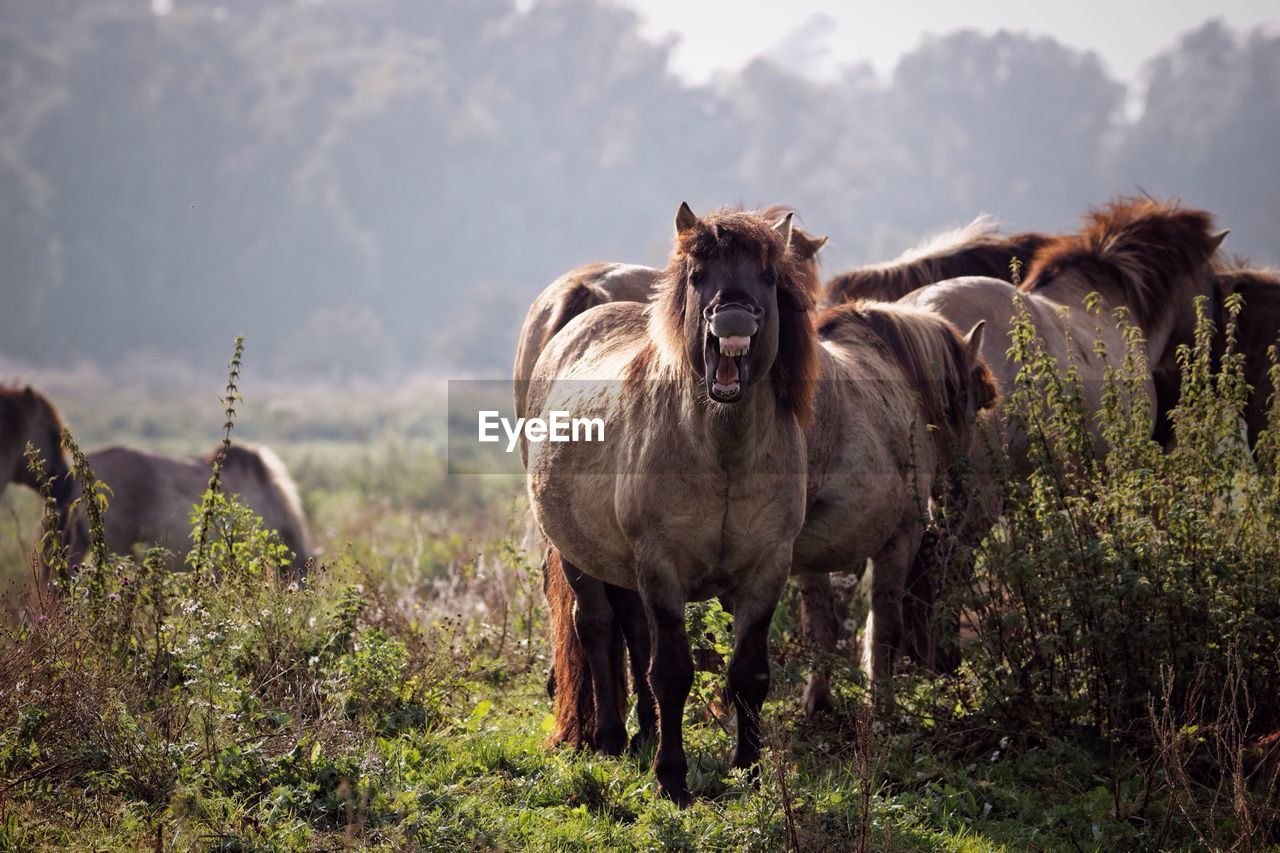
{"x":973,"y":340}
{"x":1216,"y":240}
{"x":685,"y":218}
{"x":29,"y":393}
{"x":804,"y":246}
{"x":783,"y":227}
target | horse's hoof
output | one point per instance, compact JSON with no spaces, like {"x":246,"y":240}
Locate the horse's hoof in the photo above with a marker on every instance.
{"x":641,"y":740}
{"x":680,"y":795}
{"x":611,"y":743}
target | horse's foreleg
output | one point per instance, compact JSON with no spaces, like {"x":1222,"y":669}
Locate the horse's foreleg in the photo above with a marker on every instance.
{"x":749,"y":669}
{"x":597,"y":629}
{"x":671,"y":677}
{"x":819,"y":626}
{"x":629,"y":610}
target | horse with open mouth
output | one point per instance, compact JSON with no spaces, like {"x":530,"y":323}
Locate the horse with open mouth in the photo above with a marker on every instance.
{"x":699,"y":488}
{"x":574,"y":293}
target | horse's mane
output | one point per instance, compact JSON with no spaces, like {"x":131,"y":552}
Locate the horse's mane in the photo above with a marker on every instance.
{"x":1131,"y":251}
{"x":932,"y":354}
{"x":1239,"y":272}
{"x":735,"y":232}
{"x":977,"y":248}
{"x":262,"y":464}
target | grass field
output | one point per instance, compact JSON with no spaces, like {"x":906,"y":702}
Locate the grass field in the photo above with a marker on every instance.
{"x":396,"y":700}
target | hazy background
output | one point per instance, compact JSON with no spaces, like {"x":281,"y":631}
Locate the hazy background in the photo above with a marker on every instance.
{"x":372,"y":188}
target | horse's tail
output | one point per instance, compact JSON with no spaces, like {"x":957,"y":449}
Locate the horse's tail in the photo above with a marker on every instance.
{"x":574,"y":704}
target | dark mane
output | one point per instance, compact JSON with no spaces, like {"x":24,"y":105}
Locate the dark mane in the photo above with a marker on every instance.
{"x":974,"y":249}
{"x":931,"y":352}
{"x":734,"y":233}
{"x":1132,"y":251}
{"x":240,"y":458}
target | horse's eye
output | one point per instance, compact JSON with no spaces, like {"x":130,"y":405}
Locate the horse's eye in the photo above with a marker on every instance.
{"x":695,"y":277}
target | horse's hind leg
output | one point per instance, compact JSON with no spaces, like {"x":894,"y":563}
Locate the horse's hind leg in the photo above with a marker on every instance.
{"x":819,"y":626}
{"x":749,"y":668}
{"x":629,"y":610}
{"x":884,"y":624}
{"x":597,"y":630}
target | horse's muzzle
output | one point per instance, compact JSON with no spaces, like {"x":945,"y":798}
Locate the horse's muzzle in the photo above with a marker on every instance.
{"x":731,"y":328}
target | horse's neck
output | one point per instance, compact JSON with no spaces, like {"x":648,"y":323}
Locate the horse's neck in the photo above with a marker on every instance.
{"x":741,"y":433}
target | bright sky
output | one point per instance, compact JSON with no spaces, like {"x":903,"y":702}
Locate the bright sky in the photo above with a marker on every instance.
{"x":816,"y":37}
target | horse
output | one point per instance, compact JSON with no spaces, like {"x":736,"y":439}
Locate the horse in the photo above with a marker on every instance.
{"x":1257,"y":330}
{"x":27,"y":416}
{"x":707,"y":390}
{"x":974,"y":249}
{"x":152,"y":496}
{"x":571,"y":294}
{"x":1149,"y":258}
{"x":901,"y":390}
{"x":590,"y":285}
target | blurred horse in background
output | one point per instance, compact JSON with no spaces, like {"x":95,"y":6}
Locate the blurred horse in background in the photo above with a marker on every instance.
{"x":152,"y":496}
{"x":27,"y":416}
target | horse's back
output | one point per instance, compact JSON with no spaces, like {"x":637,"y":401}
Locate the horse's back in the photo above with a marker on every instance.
{"x":151,"y":496}
{"x":572,"y":294}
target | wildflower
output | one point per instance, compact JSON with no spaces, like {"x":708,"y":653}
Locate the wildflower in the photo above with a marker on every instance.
{"x":113,"y":597}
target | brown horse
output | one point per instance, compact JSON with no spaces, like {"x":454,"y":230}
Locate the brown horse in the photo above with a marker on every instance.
{"x":1149,"y":258}
{"x":1257,"y":330}
{"x":590,"y":285}
{"x":700,"y":491}
{"x":27,"y":416}
{"x":974,"y":249}
{"x":572,"y":294}
{"x":900,"y":393}
{"x":153,"y":495}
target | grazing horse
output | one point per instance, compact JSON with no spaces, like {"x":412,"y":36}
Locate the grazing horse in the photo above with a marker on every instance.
{"x":974,"y":249}
{"x":27,"y":416}
{"x":700,"y":490}
{"x":153,"y":495}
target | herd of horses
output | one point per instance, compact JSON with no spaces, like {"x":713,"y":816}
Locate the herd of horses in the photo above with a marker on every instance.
{"x":763,"y":426}
{"x":759,"y":426}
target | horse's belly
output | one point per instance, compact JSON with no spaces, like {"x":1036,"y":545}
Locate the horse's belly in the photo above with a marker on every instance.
{"x":845,"y":528}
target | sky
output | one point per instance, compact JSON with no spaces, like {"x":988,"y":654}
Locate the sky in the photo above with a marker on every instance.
{"x":817,"y":37}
